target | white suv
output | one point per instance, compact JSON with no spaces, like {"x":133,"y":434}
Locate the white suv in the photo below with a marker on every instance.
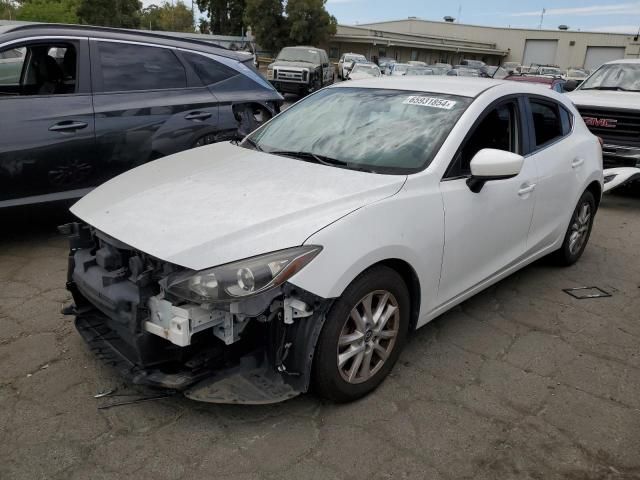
{"x":609,"y":102}
{"x":310,"y":252}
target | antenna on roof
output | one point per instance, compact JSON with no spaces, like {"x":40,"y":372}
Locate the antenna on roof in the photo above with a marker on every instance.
{"x":544,"y":10}
{"x":459,"y":13}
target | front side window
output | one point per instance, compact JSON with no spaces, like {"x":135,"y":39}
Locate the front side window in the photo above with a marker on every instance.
{"x":38,"y":69}
{"x":384,"y":131}
{"x":546,"y":122}
{"x":614,"y":76}
{"x":498,"y":129}
{"x":129,"y":67}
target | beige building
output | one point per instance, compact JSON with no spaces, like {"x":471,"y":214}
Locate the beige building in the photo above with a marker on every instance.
{"x":429,"y":41}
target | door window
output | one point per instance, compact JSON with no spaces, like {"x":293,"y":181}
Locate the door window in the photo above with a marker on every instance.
{"x":498,"y":129}
{"x":38,"y":69}
{"x":129,"y":67}
{"x":207,"y":69}
{"x":546,"y":121}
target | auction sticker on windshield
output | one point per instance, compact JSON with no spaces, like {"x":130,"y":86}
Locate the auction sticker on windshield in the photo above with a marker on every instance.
{"x":433,"y":102}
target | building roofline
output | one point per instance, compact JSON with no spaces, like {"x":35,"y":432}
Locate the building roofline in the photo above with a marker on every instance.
{"x":416,"y":19}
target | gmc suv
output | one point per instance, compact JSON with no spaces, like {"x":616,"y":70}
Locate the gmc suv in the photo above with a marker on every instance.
{"x":609,"y":102}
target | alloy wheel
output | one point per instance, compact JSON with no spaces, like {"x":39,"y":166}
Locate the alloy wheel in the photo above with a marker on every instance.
{"x":580,"y":228}
{"x":368,"y":336}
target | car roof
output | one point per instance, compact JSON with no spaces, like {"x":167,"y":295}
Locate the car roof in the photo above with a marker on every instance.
{"x":531,"y":79}
{"x":461,"y":86}
{"x":625,"y":60}
{"x":46,"y":29}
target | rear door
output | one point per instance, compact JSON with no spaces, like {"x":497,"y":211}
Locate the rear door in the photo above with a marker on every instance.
{"x":559,"y":158}
{"x":47,"y":142}
{"x":148,"y":103}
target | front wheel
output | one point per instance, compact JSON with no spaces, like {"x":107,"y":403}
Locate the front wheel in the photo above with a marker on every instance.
{"x":364,"y":333}
{"x":579,"y":231}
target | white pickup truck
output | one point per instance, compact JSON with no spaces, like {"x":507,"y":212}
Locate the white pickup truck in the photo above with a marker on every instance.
{"x":609,"y":102}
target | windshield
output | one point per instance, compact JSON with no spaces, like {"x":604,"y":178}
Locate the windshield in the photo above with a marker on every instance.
{"x":355,"y":58}
{"x":290,"y":54}
{"x":614,"y":76}
{"x":576,"y":74}
{"x":550,"y":71}
{"x":400,"y":68}
{"x":371,"y":70}
{"x":418,"y":71}
{"x":378,"y":130}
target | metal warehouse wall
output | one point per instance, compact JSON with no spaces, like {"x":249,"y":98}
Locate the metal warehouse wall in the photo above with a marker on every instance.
{"x":514,"y":39}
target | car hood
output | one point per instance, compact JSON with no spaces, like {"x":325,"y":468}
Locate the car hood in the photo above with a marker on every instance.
{"x":216,"y":204}
{"x":606,"y":99}
{"x":293,"y":64}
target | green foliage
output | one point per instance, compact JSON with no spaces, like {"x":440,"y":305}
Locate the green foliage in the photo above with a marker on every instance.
{"x":309,"y":22}
{"x":110,"y":13}
{"x":167,"y":17}
{"x":268,"y":25}
{"x":301,"y":22}
{"x":204,"y":26}
{"x":53,"y":11}
{"x":225,"y":16}
{"x":7,"y":10}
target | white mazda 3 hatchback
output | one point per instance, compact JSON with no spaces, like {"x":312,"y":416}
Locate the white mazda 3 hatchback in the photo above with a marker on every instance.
{"x":306,"y":255}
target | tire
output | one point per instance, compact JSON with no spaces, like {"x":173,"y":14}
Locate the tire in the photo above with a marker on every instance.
{"x":380,"y":345}
{"x":578,"y":232}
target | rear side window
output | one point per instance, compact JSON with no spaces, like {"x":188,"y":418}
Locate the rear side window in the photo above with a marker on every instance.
{"x":128,"y":67}
{"x":209,"y":70}
{"x":546,"y":121}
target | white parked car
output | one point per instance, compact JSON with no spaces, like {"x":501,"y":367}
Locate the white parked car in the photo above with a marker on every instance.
{"x":347,"y":62}
{"x":609,"y":102}
{"x":364,"y":70}
{"x":310,"y":252}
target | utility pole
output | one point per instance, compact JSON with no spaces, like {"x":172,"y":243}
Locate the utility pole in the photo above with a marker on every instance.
{"x":544,"y":10}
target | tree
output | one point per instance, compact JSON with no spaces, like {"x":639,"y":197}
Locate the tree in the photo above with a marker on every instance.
{"x":168,"y":17}
{"x":53,"y":11}
{"x":225,"y":16}
{"x":204,"y":26}
{"x":306,"y":22}
{"x":267,"y":22}
{"x":110,"y":13}
{"x":309,"y":22}
{"x":7,"y":10}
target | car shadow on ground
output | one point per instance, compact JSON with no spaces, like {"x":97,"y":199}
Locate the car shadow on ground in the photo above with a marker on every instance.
{"x":33,"y":221}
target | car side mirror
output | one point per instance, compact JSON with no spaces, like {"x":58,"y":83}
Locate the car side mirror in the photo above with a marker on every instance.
{"x":491,"y":164}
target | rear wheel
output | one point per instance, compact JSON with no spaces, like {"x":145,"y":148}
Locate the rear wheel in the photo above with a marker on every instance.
{"x":363,"y":335}
{"x":579,"y":231}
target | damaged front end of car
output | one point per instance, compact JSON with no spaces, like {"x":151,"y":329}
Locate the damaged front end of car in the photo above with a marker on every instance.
{"x":239,"y":333}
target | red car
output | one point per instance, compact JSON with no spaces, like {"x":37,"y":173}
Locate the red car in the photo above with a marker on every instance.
{"x":554,"y":83}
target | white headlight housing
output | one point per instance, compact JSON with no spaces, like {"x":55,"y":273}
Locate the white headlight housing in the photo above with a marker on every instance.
{"x":240,"y":279}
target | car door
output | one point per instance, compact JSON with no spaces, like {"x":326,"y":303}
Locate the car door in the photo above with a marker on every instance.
{"x":558,"y":159}
{"x":148,"y":104}
{"x":486,"y":232}
{"x":326,"y":70}
{"x":47,"y":142}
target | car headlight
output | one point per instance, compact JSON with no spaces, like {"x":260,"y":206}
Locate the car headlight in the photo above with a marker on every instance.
{"x":240,"y":279}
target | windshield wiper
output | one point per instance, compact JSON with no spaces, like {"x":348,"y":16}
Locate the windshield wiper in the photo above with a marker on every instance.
{"x":610,"y":88}
{"x":321,"y":159}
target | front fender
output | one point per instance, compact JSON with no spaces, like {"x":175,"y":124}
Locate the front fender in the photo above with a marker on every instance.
{"x":408,"y":226}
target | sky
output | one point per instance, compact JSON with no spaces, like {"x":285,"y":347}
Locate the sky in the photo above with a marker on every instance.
{"x":599,"y":15}
{"x":608,"y":16}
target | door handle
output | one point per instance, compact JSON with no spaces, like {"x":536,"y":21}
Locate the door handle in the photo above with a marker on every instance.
{"x":67,"y":126}
{"x":577,"y":162}
{"x":197,"y":116}
{"x":526,"y":189}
